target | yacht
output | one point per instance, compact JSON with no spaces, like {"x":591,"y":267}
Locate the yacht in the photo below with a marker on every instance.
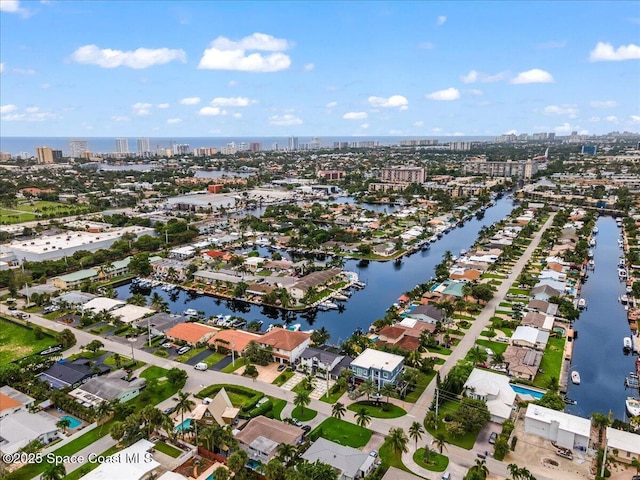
{"x":626,"y":343}
{"x":624,"y":299}
{"x":592,"y":242}
{"x":190,"y":312}
{"x":575,"y":378}
{"x":595,"y":230}
{"x":633,"y":406}
{"x":622,"y":273}
{"x":590,"y":253}
{"x":569,"y":401}
{"x":582,"y":304}
{"x":621,"y":262}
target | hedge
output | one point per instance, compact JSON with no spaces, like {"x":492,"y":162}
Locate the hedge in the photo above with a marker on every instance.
{"x":262,"y":409}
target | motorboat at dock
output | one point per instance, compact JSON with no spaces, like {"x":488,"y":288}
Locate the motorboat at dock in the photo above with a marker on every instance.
{"x":575,"y":377}
{"x":627,"y":344}
{"x":633,"y":406}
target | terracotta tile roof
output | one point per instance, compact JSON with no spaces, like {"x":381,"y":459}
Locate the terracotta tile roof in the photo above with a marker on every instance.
{"x":7,"y":402}
{"x":408,"y":343}
{"x":237,"y":339}
{"x":191,"y":332}
{"x":284,"y":339}
{"x":470,"y":275}
{"x":392,"y":332}
{"x":214,"y":253}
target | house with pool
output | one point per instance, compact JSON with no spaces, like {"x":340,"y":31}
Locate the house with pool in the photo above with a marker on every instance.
{"x":494,"y":390}
{"x":381,"y":367}
{"x":110,"y":388}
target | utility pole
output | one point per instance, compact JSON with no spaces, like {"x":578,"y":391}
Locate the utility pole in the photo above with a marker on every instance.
{"x":149,"y":330}
{"x":604,"y":458}
{"x":437,"y":402}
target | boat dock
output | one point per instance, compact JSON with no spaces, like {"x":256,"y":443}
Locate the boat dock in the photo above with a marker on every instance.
{"x":565,"y":368}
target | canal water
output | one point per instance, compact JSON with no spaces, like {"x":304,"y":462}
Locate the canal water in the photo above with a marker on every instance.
{"x":386,"y":281}
{"x":598,"y":354}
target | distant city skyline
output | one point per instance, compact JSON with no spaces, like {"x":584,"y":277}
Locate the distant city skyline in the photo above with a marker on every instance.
{"x":306,"y":69}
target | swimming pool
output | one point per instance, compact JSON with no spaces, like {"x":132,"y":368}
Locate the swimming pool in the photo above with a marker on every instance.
{"x":73,"y":422}
{"x":184,"y":426}
{"x":527,"y":391}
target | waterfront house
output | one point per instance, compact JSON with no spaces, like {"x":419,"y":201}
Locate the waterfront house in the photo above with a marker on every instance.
{"x":102,"y":304}
{"x":131,"y":313}
{"x":624,"y":446}
{"x":568,"y":431}
{"x":192,"y":333}
{"x":262,"y":437}
{"x":75,"y":279}
{"x":166,"y":267}
{"x":13,"y":401}
{"x":494,"y":390}
{"x":21,"y":428}
{"x":428,"y":313}
{"x":233,"y":340}
{"x":544,"y":292}
{"x":350,"y":462}
{"x":522,"y":362}
{"x":160,"y":322}
{"x":530,"y":337}
{"x":110,"y":388}
{"x":543,"y":307}
{"x":315,"y":279}
{"x":381,"y":367}
{"x":287,"y":346}
{"x":219,"y":410}
{"x":320,"y":359}
{"x":538,"y":320}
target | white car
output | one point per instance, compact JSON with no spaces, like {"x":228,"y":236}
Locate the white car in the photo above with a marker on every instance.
{"x":201,"y":366}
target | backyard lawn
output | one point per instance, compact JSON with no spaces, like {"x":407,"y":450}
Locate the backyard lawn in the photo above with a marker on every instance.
{"x":17,"y":341}
{"x":240,"y":362}
{"x":342,"y":432}
{"x":496,"y":347}
{"x":168,"y":449}
{"x":303,"y":415}
{"x":551,"y":362}
{"x":378,"y":409}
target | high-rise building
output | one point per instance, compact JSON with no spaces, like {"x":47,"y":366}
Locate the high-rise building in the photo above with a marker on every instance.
{"x":403,"y":175}
{"x":255,"y":146}
{"x":122,"y":145}
{"x":143,"y":148}
{"x":78,"y":148}
{"x":293,"y":144}
{"x":44,"y":154}
{"x":57,"y":155}
{"x":181,"y":149}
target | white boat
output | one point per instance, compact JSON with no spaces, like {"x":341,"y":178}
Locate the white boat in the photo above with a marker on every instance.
{"x":621,"y":262}
{"x":328,"y":304}
{"x":590,"y":253}
{"x":633,"y":406}
{"x":190,"y":312}
{"x":622,"y":273}
{"x":575,"y":378}
{"x":340,"y":297}
{"x":592,"y":242}
{"x":595,"y":230}
{"x":624,"y":299}
{"x":629,"y":289}
{"x":626,"y":343}
{"x":592,"y":263}
{"x":582,"y":303}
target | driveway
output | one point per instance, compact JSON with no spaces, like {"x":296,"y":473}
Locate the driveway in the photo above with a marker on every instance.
{"x":293,"y":381}
{"x":199,"y":357}
{"x":221,"y":364}
{"x":482,"y":441}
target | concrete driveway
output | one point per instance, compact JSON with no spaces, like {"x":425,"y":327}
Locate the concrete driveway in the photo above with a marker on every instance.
{"x":482,"y":441}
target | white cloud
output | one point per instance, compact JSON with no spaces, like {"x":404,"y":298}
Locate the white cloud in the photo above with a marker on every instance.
{"x":535,"y":75}
{"x":441,"y":19}
{"x":611,"y":118}
{"x":225,"y":54}
{"x":162,"y":105}
{"x":120,"y":118}
{"x":141,"y":108}
{"x":364,"y":126}
{"x":173,"y":121}
{"x":511,"y":132}
{"x":7,"y":109}
{"x":426,"y":45}
{"x":565,"y":109}
{"x":604,"y":104}
{"x":30,"y":114}
{"x":45,"y":85}
{"x":331,"y":104}
{"x":564,"y":128}
{"x":595,"y":118}
{"x":475,"y":76}
{"x":394,"y":101}
{"x":419,"y":124}
{"x":475,"y":91}
{"x":355,"y":115}
{"x":436,"y":130}
{"x":635,"y":118}
{"x":13,"y":6}
{"x":284,"y":120}
{"x":230,"y":102}
{"x":450,"y":93}
{"x":604,"y":52}
{"x":232,"y":83}
{"x":31,"y":109}
{"x":211,"y":111}
{"x":236,"y":115}
{"x":140,"y":58}
{"x":308,"y":67}
{"x":190,"y":101}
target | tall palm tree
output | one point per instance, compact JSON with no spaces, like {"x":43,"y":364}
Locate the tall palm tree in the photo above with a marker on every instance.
{"x":302,"y":400}
{"x":362,"y":417}
{"x":368,"y":387}
{"x":184,"y":405}
{"x":481,"y":469}
{"x":286,"y":453}
{"x":387,"y":390}
{"x":63,"y":423}
{"x":440,"y":441}
{"x":477,"y":355}
{"x":338,"y":410}
{"x":415,"y":432}
{"x":398,"y":440}
{"x":600,"y":421}
{"x":54,"y":471}
{"x":103,"y":410}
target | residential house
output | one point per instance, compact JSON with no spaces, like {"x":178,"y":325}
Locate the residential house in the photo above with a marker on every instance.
{"x":381,"y":367}
{"x":320,"y":360}
{"x":13,"y":401}
{"x":543,"y":307}
{"x":539,"y":321}
{"x":350,"y":462}
{"x":522,"y":362}
{"x":192,"y":333}
{"x":568,"y":431}
{"x":530,"y":337}
{"x":396,"y":474}
{"x":287,"y":346}
{"x":544,"y":292}
{"x":493,"y":389}
{"x":64,"y":374}
{"x":166,"y":268}
{"x":262,"y":437}
{"x":139,"y":464}
{"x":428,"y":313}
{"x":130,"y":313}
{"x":21,"y":428}
{"x":102,"y":304}
{"x":110,"y":388}
{"x":160,"y":322}
{"x":624,"y":446}
{"x":234,"y":340}
{"x":220,"y":410}
{"x":75,"y":279}
{"x":313,"y":280}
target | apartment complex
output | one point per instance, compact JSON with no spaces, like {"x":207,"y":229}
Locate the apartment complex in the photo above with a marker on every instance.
{"x":44,"y":155}
{"x":403,"y":175}
{"x":509,"y":168}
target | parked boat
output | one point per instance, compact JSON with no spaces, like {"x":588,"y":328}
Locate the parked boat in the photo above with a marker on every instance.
{"x":328,"y":304}
{"x":590,"y":253}
{"x":582,"y":304}
{"x":622,"y":274}
{"x":629,"y":289}
{"x":626,"y":343}
{"x":190,"y":312}
{"x":621,"y":262}
{"x":633,"y":406}
{"x":592,"y":242}
{"x":624,"y":299}
{"x":340,"y":297}
{"x":595,"y":230}
{"x":592,"y":263}
{"x":575,"y":378}
{"x":569,"y":401}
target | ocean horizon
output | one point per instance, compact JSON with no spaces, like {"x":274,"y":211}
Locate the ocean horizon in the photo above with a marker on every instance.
{"x":18,"y":145}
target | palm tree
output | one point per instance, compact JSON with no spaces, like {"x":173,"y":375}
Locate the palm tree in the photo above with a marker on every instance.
{"x":183,"y":406}
{"x":156,"y":300}
{"x":415,"y":432}
{"x":54,"y":471}
{"x":63,"y":423}
{"x":362,"y":417}
{"x":103,"y":410}
{"x":338,"y":410}
{"x":398,"y":440}
{"x":481,"y":469}
{"x":302,"y":400}
{"x":600,"y":421}
{"x":440,"y":441}
{"x":387,"y":390}
{"x":367,"y":387}
{"x":477,"y":355}
{"x":286,"y":453}
{"x":426,"y":455}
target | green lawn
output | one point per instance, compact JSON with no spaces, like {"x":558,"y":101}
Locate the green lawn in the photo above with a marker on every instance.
{"x":278,"y":406}
{"x":440,"y":350}
{"x":342,"y":432}
{"x":551,"y":362}
{"x":240,"y":362}
{"x":496,"y":347}
{"x":238,"y":395}
{"x":299,"y":388}
{"x":154,"y":372}
{"x":87,"y":467}
{"x":389,"y":458}
{"x":333,"y":397}
{"x":424,"y":379}
{"x":438,"y":462}
{"x":190,"y":354}
{"x":168,"y":449}
{"x":282,"y":378}
{"x":156,"y":391}
{"x":17,"y":341}
{"x":303,"y":416}
{"x":381,"y":410}
{"x":214,"y":358}
{"x":466,"y":441}
{"x":518,"y":291}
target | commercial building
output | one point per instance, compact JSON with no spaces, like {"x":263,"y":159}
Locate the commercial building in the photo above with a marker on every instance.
{"x":381,"y":367}
{"x":142,"y":147}
{"x":78,"y":148}
{"x":403,"y":175}
{"x":293,"y":144}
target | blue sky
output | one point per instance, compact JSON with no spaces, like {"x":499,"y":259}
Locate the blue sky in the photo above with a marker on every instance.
{"x":318,"y":68}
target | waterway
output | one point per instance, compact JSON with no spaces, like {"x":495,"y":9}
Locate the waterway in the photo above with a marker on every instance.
{"x":597,"y":354}
{"x":386,"y":281}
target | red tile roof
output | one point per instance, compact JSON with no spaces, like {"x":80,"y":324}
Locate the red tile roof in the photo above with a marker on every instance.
{"x":284,"y":339}
{"x":191,"y":332}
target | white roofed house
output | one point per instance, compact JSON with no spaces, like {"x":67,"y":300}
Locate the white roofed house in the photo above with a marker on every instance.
{"x":568,"y":431}
{"x":133,"y":463}
{"x":20,"y":428}
{"x":494,"y":390}
{"x":381,"y":367}
{"x":350,"y":462}
{"x":530,"y":337}
{"x":625,"y":446}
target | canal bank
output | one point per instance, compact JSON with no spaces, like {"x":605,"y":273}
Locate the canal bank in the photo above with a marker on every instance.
{"x":386,"y":281}
{"x":597,"y":353}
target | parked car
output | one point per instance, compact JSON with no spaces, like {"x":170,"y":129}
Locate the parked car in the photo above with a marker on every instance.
{"x":373,"y":453}
{"x":306,"y":428}
{"x":493,"y":437}
{"x":167,"y":345}
{"x":183,"y":350}
{"x":169,"y":410}
{"x":281,"y":367}
{"x":296,"y":422}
